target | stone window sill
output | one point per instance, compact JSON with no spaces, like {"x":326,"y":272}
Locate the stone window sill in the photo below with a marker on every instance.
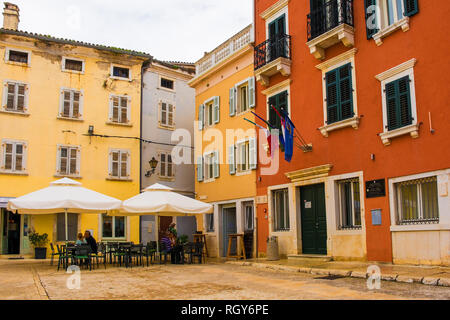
{"x":243,"y":173}
{"x":352,"y":122}
{"x":401,"y":24}
{"x":70,"y":119}
{"x":111,"y":123}
{"x":168,"y":179}
{"x":68,"y":176}
{"x":209,"y":180}
{"x":120,"y":78}
{"x":119,"y":179}
{"x":18,"y":113}
{"x":420,"y":227}
{"x":14,"y":173}
{"x":170,"y":128}
{"x":413,"y":130}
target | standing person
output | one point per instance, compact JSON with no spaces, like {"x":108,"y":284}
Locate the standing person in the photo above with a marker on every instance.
{"x":90,"y":241}
{"x":172,"y":230}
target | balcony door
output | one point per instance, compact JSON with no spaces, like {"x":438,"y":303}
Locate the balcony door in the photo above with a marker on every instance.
{"x":324,"y":16}
{"x":277,"y":31}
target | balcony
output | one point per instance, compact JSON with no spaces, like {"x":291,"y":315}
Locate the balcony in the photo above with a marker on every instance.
{"x":271,"y":57}
{"x":330,"y":24}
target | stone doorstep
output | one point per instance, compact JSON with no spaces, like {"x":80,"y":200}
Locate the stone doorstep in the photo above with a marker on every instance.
{"x":445,"y":282}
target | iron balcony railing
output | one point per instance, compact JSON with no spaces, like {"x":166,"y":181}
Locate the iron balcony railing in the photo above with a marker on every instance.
{"x":329,"y":16}
{"x":272,"y":49}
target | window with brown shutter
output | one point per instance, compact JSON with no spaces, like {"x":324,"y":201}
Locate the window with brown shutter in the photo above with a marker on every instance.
{"x":69,"y":161}
{"x":119,"y":164}
{"x":16,"y":96}
{"x":120,"y":109}
{"x":73,"y":65}
{"x":18,"y":56}
{"x":13,"y":156}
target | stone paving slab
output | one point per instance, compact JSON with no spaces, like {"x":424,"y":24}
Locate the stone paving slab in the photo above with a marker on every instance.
{"x":428,"y":275}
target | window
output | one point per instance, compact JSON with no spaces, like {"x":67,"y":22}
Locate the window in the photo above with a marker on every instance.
{"x":72,"y":227}
{"x":113,"y":227}
{"x":166,"y":166}
{"x":398,"y":103}
{"x":73,"y":65}
{"x":166,"y":118}
{"x":120,"y":109}
{"x":209,"y":219}
{"x":242,"y":97}
{"x":248,"y":210}
{"x":417,"y":201}
{"x":68,"y":161}
{"x":280,"y":204}
{"x":339,"y":94}
{"x":17,"y":56}
{"x":71,"y":104}
{"x":385,"y":16}
{"x":349,"y":204}
{"x":209,"y":113}
{"x":243,"y":157}
{"x":121,"y":73}
{"x":209,"y":166}
{"x":13,"y":159}
{"x":280,"y":102}
{"x":15,"y":97}
{"x":166,"y":83}
{"x":119,"y":164}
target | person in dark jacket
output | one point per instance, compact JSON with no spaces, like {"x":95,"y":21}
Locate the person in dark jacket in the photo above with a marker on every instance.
{"x":90,"y":241}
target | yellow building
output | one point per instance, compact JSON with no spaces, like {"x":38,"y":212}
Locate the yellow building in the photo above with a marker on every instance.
{"x":55,"y":94}
{"x":226,"y":148}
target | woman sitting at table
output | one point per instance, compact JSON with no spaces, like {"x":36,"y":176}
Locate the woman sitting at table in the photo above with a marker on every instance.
{"x":80,"y":240}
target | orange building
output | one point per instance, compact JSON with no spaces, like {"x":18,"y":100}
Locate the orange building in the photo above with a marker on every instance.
{"x":366,"y":86}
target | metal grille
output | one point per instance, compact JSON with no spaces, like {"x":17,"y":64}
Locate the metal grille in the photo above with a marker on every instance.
{"x":272,"y":49}
{"x":329,"y":16}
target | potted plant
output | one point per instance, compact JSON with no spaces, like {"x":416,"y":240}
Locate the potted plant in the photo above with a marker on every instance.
{"x":39,"y":242}
{"x":183,"y":239}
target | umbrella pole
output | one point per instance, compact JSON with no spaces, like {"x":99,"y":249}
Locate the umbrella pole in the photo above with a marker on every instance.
{"x":157,"y":236}
{"x":67,"y":227}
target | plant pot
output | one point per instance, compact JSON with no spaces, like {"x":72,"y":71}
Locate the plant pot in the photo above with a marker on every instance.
{"x":40,"y":253}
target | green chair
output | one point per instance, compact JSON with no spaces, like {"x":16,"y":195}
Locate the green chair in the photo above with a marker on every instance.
{"x":82,"y":256}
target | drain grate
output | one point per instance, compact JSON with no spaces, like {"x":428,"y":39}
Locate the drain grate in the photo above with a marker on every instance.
{"x":331,"y":277}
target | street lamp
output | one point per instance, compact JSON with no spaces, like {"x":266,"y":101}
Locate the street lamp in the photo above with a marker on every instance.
{"x":153,"y":164}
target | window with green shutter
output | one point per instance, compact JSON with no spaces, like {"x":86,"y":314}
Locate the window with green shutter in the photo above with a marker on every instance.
{"x":371,"y":18}
{"x":280,"y":102}
{"x":339,"y":94}
{"x":398,"y":103}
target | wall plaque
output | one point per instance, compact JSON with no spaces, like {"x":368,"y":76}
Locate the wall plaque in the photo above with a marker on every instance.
{"x":375,"y":188}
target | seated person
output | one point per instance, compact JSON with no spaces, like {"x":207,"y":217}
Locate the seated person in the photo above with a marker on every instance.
{"x":90,"y":241}
{"x":80,"y":240}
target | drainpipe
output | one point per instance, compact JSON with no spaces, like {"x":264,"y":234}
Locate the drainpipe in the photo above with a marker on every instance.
{"x":144,"y":65}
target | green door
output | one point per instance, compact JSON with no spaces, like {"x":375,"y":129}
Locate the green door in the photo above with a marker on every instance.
{"x":313,"y":217}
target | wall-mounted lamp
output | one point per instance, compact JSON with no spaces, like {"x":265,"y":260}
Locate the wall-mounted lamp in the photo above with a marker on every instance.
{"x":91,"y":130}
{"x":153,"y":164}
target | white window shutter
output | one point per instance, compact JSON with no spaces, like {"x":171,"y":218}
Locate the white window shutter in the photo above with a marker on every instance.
{"x":110,"y":113}
{"x":81,"y":104}
{"x":253,"y":153}
{"x":251,"y":92}
{"x":216,"y":109}
{"x":5,"y":95}
{"x":200,"y":169}
{"x":26,"y":98}
{"x":58,"y":159}
{"x":128,"y":164}
{"x":201,"y":112}
{"x":110,"y":156}
{"x":232,"y":101}
{"x":216,"y":164}
{"x":232,"y":159}
{"x":24,"y":156}
{"x":128,"y":109}
{"x":61,"y":102}
{"x":78,"y":171}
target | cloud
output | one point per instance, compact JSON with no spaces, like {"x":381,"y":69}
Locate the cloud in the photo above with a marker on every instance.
{"x":180,"y":30}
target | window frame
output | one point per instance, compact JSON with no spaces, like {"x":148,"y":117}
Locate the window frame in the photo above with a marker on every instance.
{"x":111,"y":110}
{"x":247,"y":221}
{"x":68,"y":166}
{"x":286,"y":198}
{"x":63,"y":65}
{"x":210,"y":217}
{"x":166,"y":166}
{"x":113,"y":237}
{"x":160,"y":116}
{"x":5,"y":94}
{"x":339,"y":208}
{"x":120,"y":162}
{"x":112,"y":76}
{"x":80,"y":104}
{"x":7,"y":54}
{"x":24,"y":154}
{"x":239,"y":156}
{"x":160,"y":86}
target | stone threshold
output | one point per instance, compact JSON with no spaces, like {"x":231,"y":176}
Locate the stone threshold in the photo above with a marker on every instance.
{"x":391,"y":276}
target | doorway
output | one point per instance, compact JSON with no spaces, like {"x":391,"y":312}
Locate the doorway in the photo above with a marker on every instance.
{"x":229,"y":226}
{"x":11,"y":233}
{"x":164,"y":223}
{"x":313,"y":218}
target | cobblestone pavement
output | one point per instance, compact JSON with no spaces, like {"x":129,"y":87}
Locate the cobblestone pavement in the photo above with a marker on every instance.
{"x":38,"y":280}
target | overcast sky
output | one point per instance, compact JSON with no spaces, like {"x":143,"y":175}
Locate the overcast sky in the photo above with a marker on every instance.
{"x":177,"y":30}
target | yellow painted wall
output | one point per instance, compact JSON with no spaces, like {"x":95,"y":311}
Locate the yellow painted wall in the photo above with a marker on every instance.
{"x":43,"y":131}
{"x":226,"y":187}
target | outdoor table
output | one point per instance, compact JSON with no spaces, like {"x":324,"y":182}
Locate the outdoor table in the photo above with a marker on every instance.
{"x":202,"y":238}
{"x":240,"y":248}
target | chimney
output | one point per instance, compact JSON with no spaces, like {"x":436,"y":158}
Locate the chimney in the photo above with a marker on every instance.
{"x":11,"y":16}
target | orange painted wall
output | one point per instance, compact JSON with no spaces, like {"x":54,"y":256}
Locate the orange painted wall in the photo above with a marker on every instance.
{"x":347,"y":149}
